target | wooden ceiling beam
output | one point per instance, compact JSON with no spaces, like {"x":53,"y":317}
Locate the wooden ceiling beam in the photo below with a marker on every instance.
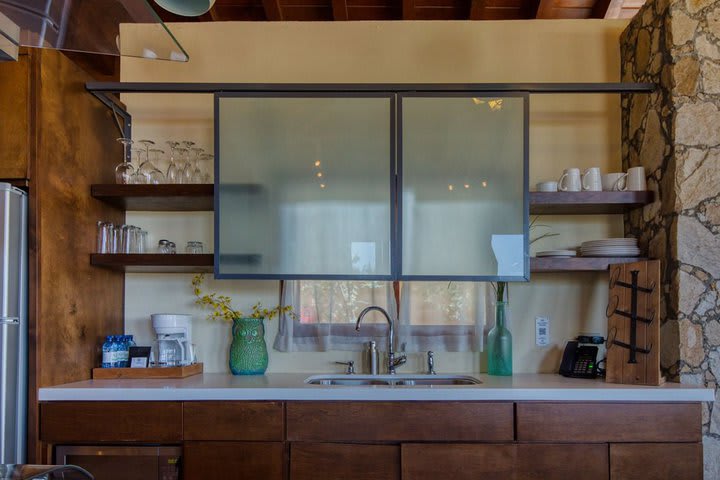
{"x":408,"y":9}
{"x":477,"y":9}
{"x":340,"y":10}
{"x":273,"y":11}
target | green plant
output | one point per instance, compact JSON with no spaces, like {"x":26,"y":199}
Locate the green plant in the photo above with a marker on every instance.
{"x":222,"y":308}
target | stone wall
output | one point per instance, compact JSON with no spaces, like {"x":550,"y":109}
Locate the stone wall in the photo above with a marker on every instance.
{"x":675,"y":134}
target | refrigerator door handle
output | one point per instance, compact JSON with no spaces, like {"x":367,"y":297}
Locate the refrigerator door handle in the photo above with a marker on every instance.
{"x":9,"y":320}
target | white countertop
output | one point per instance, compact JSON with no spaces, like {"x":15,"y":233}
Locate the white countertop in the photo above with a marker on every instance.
{"x":292,"y":386}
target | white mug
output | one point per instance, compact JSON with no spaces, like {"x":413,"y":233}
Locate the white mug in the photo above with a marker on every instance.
{"x":547,"y":186}
{"x":570,"y":180}
{"x":614,"y":182}
{"x":636,"y":179}
{"x":591,"y":180}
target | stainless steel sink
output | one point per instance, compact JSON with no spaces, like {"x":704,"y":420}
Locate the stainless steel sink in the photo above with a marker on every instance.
{"x":391,"y":380}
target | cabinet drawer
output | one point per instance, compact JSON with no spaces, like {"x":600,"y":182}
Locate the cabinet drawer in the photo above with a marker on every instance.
{"x":328,"y":461}
{"x":501,"y":462}
{"x":254,"y":421}
{"x":659,"y":461}
{"x":608,"y":422}
{"x":68,"y":422}
{"x":399,"y":421}
{"x":223,"y":460}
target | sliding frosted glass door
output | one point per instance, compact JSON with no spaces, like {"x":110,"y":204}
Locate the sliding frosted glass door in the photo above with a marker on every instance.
{"x":304,"y":185}
{"x":464,"y":201}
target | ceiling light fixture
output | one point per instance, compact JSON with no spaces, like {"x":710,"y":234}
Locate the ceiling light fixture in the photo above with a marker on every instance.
{"x":186,"y":8}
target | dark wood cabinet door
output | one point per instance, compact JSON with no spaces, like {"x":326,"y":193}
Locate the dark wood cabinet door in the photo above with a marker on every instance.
{"x":335,"y":461}
{"x":608,"y":422}
{"x":238,"y":421}
{"x":400,"y":421}
{"x":233,"y":460}
{"x":658,"y":461}
{"x":504,"y":461}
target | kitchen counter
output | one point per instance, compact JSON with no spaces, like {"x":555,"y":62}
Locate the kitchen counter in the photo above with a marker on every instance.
{"x":292,"y":386}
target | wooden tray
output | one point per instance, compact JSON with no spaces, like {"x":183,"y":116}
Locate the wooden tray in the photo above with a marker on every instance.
{"x":169,"y":372}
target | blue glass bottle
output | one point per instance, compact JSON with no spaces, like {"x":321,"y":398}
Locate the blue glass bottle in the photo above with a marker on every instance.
{"x":107,"y":356}
{"x":115,"y":351}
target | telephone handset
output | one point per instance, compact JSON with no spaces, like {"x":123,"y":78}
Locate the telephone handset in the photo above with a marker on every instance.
{"x":579,"y":361}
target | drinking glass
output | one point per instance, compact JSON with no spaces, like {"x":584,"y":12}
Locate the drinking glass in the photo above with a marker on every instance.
{"x":124,"y":172}
{"x":140,"y":176}
{"x":104,"y":237}
{"x":187,"y":167}
{"x":196,"y":173}
{"x":173,"y":172}
{"x":156,"y":175}
{"x":206,"y":178}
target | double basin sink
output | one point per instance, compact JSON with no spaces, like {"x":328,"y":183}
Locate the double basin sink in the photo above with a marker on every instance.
{"x":392,"y":380}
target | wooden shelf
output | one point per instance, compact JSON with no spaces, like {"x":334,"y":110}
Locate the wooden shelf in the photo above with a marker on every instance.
{"x":154,"y":262}
{"x":584,"y":203}
{"x":156,"y":198}
{"x":577,"y":264}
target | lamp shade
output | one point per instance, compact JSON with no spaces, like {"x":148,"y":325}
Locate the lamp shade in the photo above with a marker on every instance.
{"x":186,"y":8}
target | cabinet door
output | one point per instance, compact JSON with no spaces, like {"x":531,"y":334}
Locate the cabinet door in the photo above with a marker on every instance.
{"x":223,"y":460}
{"x":503,"y":462}
{"x":659,"y":461}
{"x":464,"y":201}
{"x":15,"y":81}
{"x":330,"y":461}
{"x":305,"y":185}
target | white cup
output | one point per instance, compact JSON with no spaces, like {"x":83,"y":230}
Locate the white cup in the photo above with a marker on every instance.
{"x":547,"y":186}
{"x":614,"y":182}
{"x":570,"y":180}
{"x":591,"y":180}
{"x":636,"y":179}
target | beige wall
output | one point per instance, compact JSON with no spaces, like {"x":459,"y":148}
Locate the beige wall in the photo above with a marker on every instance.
{"x":565,"y":131}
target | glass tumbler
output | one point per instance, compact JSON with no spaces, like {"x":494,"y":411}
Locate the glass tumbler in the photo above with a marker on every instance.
{"x":104,"y":237}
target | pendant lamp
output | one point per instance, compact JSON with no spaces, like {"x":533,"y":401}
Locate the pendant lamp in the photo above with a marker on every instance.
{"x":186,"y":8}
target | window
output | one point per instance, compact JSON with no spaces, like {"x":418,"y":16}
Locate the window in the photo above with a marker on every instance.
{"x":443,"y":316}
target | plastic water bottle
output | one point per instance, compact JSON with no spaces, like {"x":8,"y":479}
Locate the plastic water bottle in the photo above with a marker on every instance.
{"x":107,"y":356}
{"x":115,"y":351}
{"x":124,"y":351}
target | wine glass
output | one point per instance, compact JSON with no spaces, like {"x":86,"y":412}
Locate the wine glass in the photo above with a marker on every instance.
{"x":206,"y":176}
{"x":125,"y":172}
{"x":187,"y":168}
{"x":140,"y":177}
{"x":196,"y":173}
{"x":155,"y":176}
{"x":173,"y":172}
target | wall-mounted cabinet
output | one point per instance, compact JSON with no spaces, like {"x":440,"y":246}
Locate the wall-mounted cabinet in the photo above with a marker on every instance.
{"x":373,"y":185}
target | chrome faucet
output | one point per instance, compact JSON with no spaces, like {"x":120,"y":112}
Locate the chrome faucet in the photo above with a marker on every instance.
{"x":392,"y":362}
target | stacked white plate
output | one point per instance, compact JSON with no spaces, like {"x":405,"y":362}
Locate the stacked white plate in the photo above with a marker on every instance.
{"x":610,"y":247}
{"x":557,"y":253}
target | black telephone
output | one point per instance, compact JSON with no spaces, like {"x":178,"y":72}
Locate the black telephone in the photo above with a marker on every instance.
{"x":579,"y":361}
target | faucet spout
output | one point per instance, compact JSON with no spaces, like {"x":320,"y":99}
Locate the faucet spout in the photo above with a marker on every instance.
{"x":391,"y":335}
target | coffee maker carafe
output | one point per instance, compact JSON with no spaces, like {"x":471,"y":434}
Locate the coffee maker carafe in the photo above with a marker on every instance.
{"x":173,"y":346}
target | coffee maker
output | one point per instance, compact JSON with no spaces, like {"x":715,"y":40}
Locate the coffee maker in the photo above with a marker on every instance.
{"x":173,"y":346}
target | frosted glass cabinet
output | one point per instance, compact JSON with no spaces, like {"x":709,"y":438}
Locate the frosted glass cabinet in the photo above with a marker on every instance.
{"x":373,"y":185}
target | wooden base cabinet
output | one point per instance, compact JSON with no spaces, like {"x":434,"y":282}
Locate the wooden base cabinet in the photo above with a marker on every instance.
{"x":658,"y":461}
{"x":504,"y":461}
{"x":336,"y":461}
{"x":227,"y":460}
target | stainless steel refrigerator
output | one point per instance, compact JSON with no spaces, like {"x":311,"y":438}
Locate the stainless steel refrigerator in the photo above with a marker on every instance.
{"x":13,"y":324}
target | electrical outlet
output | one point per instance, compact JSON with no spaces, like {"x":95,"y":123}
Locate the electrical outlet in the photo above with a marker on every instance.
{"x":542,"y":331}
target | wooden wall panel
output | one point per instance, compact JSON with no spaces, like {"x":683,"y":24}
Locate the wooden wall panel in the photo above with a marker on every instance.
{"x":15,"y":112}
{"x":399,"y":421}
{"x":608,"y":422}
{"x":72,"y":305}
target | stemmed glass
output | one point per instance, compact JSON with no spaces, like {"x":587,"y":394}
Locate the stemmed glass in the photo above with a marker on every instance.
{"x":206,"y":175}
{"x":196,"y":173}
{"x":187,"y":168}
{"x":139,"y":176}
{"x":125,"y":172}
{"x":156,"y":176}
{"x":146,"y":167}
{"x":173,"y":173}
